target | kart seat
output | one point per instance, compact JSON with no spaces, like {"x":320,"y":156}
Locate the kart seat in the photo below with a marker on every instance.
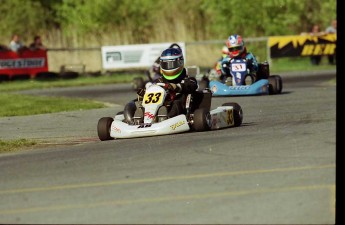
{"x":129,"y":111}
{"x":201,"y":99}
{"x":263,"y":71}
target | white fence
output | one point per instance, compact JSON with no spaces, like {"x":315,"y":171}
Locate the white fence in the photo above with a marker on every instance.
{"x":200,"y":53}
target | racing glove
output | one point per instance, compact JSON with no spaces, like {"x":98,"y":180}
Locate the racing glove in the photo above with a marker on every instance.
{"x":173,"y":87}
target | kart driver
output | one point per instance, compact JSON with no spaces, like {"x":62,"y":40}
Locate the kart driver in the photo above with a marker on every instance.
{"x":237,"y":50}
{"x":174,"y":75}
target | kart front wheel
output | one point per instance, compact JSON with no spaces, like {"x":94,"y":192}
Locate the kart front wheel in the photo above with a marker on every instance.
{"x":103,"y":128}
{"x":275,"y":84}
{"x":201,"y":120}
{"x":237,"y":112}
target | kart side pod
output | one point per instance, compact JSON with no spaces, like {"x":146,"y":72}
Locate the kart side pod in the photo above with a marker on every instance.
{"x":228,"y":115}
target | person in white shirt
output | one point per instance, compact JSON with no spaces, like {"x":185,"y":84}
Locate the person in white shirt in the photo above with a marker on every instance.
{"x":15,"y":43}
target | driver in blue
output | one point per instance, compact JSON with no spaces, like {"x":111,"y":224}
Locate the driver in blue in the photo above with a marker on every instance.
{"x":237,"y":50}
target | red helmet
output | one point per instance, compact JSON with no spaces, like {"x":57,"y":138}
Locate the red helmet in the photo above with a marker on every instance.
{"x":235,"y":45}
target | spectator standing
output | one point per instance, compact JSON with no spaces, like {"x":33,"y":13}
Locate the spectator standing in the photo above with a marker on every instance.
{"x":316,"y":59}
{"x":15,"y":44}
{"x":332,"y":29}
{"x":37,"y":43}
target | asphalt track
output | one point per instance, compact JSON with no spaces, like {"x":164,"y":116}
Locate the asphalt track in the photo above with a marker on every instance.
{"x":277,"y":168}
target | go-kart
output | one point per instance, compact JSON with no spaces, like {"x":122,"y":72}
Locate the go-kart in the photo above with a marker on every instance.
{"x":241,"y":82}
{"x":148,"y":115}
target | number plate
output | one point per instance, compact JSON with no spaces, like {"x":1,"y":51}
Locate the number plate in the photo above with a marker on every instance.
{"x":238,"y":67}
{"x":153,"y":98}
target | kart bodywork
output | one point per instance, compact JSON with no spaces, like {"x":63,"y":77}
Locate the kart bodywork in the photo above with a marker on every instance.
{"x":241,"y":82}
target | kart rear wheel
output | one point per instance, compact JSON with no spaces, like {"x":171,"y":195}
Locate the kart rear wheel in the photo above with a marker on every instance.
{"x":237,"y":112}
{"x":275,"y":84}
{"x":202,"y":120}
{"x":103,"y":128}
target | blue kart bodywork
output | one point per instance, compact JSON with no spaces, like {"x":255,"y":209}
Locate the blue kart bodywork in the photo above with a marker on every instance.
{"x":261,"y":87}
{"x":242,"y":82}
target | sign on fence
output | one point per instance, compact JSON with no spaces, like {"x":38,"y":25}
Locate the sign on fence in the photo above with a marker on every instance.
{"x":25,"y":62}
{"x":302,"y":45}
{"x":134,"y":56}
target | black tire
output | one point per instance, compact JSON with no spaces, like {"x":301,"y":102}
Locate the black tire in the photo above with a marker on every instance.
{"x":4,"y":77}
{"x":275,"y":84}
{"x":201,"y":120}
{"x":138,"y":82}
{"x":103,"y":128}
{"x":237,"y":113}
{"x":46,"y":76}
{"x":20,"y":77}
{"x":69,"y":75}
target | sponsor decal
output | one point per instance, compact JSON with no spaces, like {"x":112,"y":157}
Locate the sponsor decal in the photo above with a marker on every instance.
{"x":25,"y":62}
{"x":113,"y":56}
{"x":214,"y":88}
{"x":22,"y":63}
{"x":134,"y":56}
{"x":318,"y":49}
{"x":302,"y":45}
{"x":149,"y":115}
{"x":243,"y":87}
{"x":230,"y":117}
{"x":116,"y":130}
{"x":214,"y":121}
{"x":178,"y":124}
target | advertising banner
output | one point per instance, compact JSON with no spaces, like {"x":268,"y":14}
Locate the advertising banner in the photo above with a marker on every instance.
{"x":302,"y":45}
{"x":25,"y":62}
{"x":134,"y":56}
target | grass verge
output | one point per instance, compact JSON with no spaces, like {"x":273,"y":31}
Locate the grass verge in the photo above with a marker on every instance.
{"x":18,"y":85}
{"x":21,"y":105}
{"x":15,"y":145}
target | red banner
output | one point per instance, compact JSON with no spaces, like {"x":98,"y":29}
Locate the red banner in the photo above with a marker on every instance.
{"x":25,"y":62}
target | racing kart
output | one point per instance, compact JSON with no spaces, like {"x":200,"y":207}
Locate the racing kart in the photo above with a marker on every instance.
{"x":151,"y":74}
{"x":148,"y":115}
{"x":241,"y":82}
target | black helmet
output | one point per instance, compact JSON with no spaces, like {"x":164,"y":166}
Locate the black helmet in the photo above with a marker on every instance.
{"x":171,"y":63}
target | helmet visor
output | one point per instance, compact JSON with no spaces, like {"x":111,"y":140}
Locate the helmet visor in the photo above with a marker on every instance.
{"x":234,"y":49}
{"x":171,"y":64}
